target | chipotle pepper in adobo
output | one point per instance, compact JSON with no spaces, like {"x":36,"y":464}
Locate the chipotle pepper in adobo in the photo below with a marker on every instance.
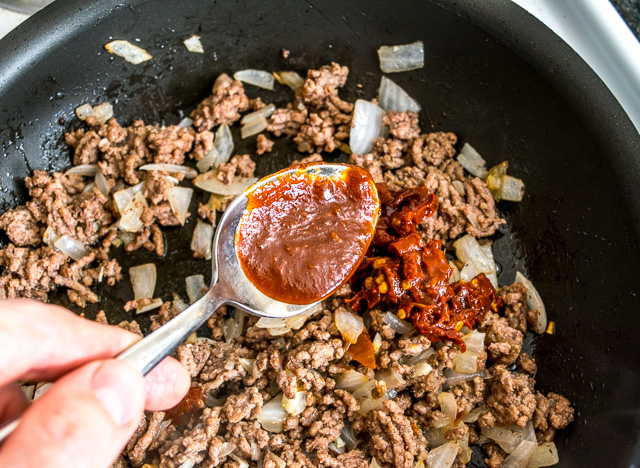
{"x":304,"y":233}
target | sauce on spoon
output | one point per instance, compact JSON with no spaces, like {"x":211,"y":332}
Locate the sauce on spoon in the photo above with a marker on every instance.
{"x":304,"y":234}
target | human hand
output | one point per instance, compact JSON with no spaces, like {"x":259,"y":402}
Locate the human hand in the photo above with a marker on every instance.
{"x":95,"y":405}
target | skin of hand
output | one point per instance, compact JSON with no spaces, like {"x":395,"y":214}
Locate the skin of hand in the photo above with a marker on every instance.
{"x":96,"y":402}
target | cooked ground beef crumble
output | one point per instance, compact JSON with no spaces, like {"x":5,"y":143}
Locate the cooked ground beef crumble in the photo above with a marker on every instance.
{"x":237,"y":378}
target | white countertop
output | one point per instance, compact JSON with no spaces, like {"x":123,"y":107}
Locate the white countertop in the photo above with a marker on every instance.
{"x":593,"y":28}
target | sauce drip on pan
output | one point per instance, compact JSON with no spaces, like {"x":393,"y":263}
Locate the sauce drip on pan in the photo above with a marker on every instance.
{"x":303,"y":235}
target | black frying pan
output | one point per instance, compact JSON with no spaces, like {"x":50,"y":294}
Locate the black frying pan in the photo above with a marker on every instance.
{"x":493,"y":74}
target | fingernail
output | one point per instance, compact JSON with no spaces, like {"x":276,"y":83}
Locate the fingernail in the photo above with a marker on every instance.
{"x":116,"y":384}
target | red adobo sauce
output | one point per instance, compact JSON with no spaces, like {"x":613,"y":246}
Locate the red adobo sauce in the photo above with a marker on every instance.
{"x":303,"y":235}
{"x":401,"y":268}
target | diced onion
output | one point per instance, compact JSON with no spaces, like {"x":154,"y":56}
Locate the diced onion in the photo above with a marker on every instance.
{"x":195,"y":287}
{"x":393,"y":98}
{"x":505,"y":437}
{"x":366,"y":126}
{"x":188,"y":464}
{"x":103,"y":112}
{"x":466,"y":362}
{"x":401,"y":326}
{"x":519,"y":458}
{"x":369,"y":404}
{"x":435,"y":438}
{"x":455,"y":378}
{"x":279,"y":462}
{"x":154,"y":304}
{"x":88,"y":170}
{"x":296,"y":405}
{"x":348,"y":436}
{"x":459,"y":186}
{"x":455,"y":274}
{"x":242,"y":463}
{"x":130,"y":219}
{"x":131,"y":53}
{"x":209,"y":183}
{"x":377,"y":342}
{"x":265,"y":113}
{"x":464,"y":455}
{"x":277,"y":331}
{"x":188,"y":172}
{"x":391,"y":377}
{"x":474,"y":341}
{"x":248,"y":364}
{"x":448,"y":405}
{"x":443,"y":456}
{"x":351,"y":380}
{"x":193,"y":44}
{"x":201,"y":241}
{"x":186,"y":122}
{"x":374,"y":463}
{"x":84,"y":111}
{"x":290,"y":78}
{"x":221,"y":152}
{"x":401,"y":58}
{"x":255,"y":126}
{"x":545,"y":454}
{"x":349,"y":324}
{"x":123,"y":197}
{"x":272,"y":415}
{"x":471,"y":160}
{"x":534,"y":302}
{"x":178,"y":303}
{"x":259,"y":78}
{"x":101,"y":183}
{"x":179,"y":199}
{"x":423,"y":356}
{"x":297,"y":321}
{"x":469,"y":251}
{"x":422,"y":369}
{"x":231,"y":329}
{"x":473,"y":415}
{"x":511,"y":189}
{"x":71,"y":247}
{"x":270,"y":322}
{"x":50,"y":237}
{"x":143,"y":280}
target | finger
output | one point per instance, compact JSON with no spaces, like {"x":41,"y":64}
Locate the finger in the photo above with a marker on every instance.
{"x":40,"y":342}
{"x":166,"y":385}
{"x":85,"y":419}
{"x":13,"y":402}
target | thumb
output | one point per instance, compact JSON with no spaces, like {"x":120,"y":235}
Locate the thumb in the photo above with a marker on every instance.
{"x":85,"y":419}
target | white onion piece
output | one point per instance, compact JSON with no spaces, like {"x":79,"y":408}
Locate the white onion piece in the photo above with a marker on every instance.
{"x":88,"y":187}
{"x":186,"y":122}
{"x":393,"y":98}
{"x":443,"y":456}
{"x":101,"y":183}
{"x":188,"y":172}
{"x":88,"y":170}
{"x":448,"y":405}
{"x":50,"y":237}
{"x":391,"y":377}
{"x":364,"y":391}
{"x":435,"y":437}
{"x":179,"y":199}
{"x":401,"y":58}
{"x":465,"y":453}
{"x":510,"y":189}
{"x":349,"y":324}
{"x":421,"y":357}
{"x":272,"y":415}
{"x":278,"y":331}
{"x":103,"y":112}
{"x":505,"y":437}
{"x":290,"y":78}
{"x":254,"y":127}
{"x":401,"y":326}
{"x":348,"y":436}
{"x":466,"y":363}
{"x":270,"y":322}
{"x":369,"y":404}
{"x":469,"y":251}
{"x":188,"y":464}
{"x":223,"y":143}
{"x":459,"y":186}
{"x":231,"y":329}
{"x":131,"y":53}
{"x":474,"y":341}
{"x":84,"y":111}
{"x":248,"y":364}
{"x":259,"y":78}
{"x":422,"y":369}
{"x":130,"y":220}
{"x":143,"y":280}
{"x":366,"y":126}
{"x":473,"y":415}
{"x":297,"y":321}
{"x":123,"y":197}
{"x":265,"y":113}
{"x":154,"y":304}
{"x":279,"y":462}
{"x":455,"y":378}
{"x":374,"y":463}
{"x":471,"y":160}
{"x":493,"y":275}
{"x":455,"y":274}
{"x":178,"y":303}
{"x":171,"y":180}
{"x":296,"y":405}
{"x":209,"y":183}
{"x":193,"y":44}
{"x":534,"y":302}
{"x":519,"y":458}
{"x":202,"y":238}
{"x":71,"y":247}
{"x":195,"y":287}
{"x":545,"y":454}
{"x":351,"y":380}
{"x":242,"y":463}
{"x":377,"y":342}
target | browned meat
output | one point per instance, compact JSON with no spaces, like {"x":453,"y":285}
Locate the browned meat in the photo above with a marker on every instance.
{"x":21,"y":227}
{"x":241,"y":166}
{"x":264,"y":144}
{"x":223,"y":106}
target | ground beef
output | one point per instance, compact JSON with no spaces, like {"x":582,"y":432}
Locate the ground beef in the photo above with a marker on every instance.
{"x":223,"y":106}
{"x":404,"y":125}
{"x":432,"y":149}
{"x":21,"y":227}
{"x":264,"y":144}
{"x":286,"y":121}
{"x":503,"y":342}
{"x":511,"y":399}
{"x":518,"y":314}
{"x":241,"y":166}
{"x":553,"y":411}
{"x":169,"y":145}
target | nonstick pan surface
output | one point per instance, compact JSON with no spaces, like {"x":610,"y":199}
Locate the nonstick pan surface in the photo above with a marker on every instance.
{"x":493,"y":74}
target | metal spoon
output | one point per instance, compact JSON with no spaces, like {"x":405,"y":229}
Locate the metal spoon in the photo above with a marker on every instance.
{"x":229,"y":285}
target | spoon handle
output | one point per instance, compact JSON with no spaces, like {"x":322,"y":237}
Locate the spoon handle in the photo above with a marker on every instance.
{"x":149,"y":351}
